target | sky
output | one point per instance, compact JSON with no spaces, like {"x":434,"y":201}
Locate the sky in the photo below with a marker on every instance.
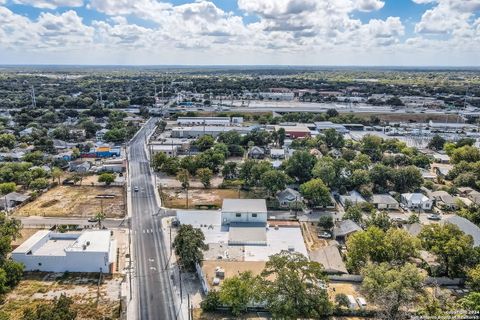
{"x":241,"y":32}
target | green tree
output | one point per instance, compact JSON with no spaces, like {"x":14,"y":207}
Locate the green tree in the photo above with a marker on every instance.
{"x":7,"y":187}
{"x":274,"y":181}
{"x":230,"y":170}
{"x":7,"y":140}
{"x":205,"y":175}
{"x":211,"y":301}
{"x":326,"y":222}
{"x":294,"y":287}
{"x":354,"y":213}
{"x":281,"y":136}
{"x":204,"y":142}
{"x":380,"y":220}
{"x":299,"y":166}
{"x":325,"y":170}
{"x":333,"y":139}
{"x":407,"y":179}
{"x":107,"y":178}
{"x":39,"y":184}
{"x":471,"y":302}
{"x":316,"y":193}
{"x":56,"y":174}
{"x":189,"y":245}
{"x":466,"y":153}
{"x":473,"y":278}
{"x":453,"y":248}
{"x":238,"y":292}
{"x":342,"y":301}
{"x":392,"y":288}
{"x":436,"y":143}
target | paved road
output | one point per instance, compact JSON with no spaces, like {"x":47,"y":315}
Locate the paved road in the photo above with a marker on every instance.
{"x":155,"y":299}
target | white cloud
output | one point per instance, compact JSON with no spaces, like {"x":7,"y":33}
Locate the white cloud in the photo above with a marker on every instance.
{"x":50,"y":4}
{"x":369,"y":5}
{"x":447,"y":17}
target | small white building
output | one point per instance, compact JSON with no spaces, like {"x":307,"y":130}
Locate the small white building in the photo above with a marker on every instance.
{"x":416,"y":201}
{"x":169,"y":150}
{"x":244,"y":211}
{"x":48,"y":251}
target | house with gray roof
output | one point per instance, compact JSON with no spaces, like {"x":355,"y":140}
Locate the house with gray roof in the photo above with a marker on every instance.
{"x":444,"y":200}
{"x":351,"y":198}
{"x":289,"y":197}
{"x":384,"y":202}
{"x":256,"y":153}
{"x":345,"y":228}
{"x":466,"y":226}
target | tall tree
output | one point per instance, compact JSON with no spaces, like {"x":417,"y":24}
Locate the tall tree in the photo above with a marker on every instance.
{"x":453,"y":248}
{"x":393,"y":289}
{"x":294,"y":287}
{"x":299,"y":166}
{"x":239,"y":292}
{"x":205,"y":175}
{"x":189,"y":246}
{"x":316,"y":193}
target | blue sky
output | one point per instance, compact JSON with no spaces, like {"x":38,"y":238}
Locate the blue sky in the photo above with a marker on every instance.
{"x":313,"y":32}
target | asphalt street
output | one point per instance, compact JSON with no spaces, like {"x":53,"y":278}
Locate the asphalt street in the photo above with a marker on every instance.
{"x":154,"y":292}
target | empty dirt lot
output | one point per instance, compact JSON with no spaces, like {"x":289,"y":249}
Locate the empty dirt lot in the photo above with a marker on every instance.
{"x":76,"y":201}
{"x":39,"y":288}
{"x":176,"y":198}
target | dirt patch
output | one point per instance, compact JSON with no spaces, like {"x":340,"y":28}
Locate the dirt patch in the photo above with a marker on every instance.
{"x":310,"y":235}
{"x":40,"y":288}
{"x":176,"y":198}
{"x":76,"y":201}
{"x":232,"y":268}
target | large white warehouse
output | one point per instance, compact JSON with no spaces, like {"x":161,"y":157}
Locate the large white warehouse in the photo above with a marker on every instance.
{"x":89,"y":251}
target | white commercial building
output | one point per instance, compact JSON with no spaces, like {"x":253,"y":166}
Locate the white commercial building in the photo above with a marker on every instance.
{"x":244,"y":211}
{"x":48,"y":251}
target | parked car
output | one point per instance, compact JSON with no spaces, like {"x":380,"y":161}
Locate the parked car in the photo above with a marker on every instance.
{"x":434,"y":217}
{"x":93,"y":219}
{"x":325,"y":235}
{"x":135,"y":189}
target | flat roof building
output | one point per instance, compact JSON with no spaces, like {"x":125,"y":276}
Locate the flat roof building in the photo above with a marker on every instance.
{"x":88,"y":251}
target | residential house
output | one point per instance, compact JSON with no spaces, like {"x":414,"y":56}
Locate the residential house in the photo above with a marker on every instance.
{"x":344,"y":228}
{"x":351,"y":198}
{"x":289,"y":197}
{"x":427,"y":174}
{"x":330,"y":258}
{"x":384,"y":201}
{"x":277,"y":153}
{"x":256,"y":153}
{"x":80,"y":166}
{"x":444,"y":200}
{"x":466,"y":226}
{"x":416,"y":201}
{"x":12,"y":199}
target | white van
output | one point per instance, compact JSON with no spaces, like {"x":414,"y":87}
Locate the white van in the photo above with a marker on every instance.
{"x":361,"y":302}
{"x":352,"y":304}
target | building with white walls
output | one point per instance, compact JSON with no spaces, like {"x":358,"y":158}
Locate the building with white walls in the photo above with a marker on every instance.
{"x":48,"y":251}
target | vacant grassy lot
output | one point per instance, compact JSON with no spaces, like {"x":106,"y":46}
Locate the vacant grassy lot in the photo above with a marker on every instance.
{"x":176,"y":197}
{"x":39,"y":288}
{"x":76,"y":201}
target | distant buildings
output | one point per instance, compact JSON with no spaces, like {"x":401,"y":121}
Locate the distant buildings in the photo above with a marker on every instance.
{"x":89,"y":251}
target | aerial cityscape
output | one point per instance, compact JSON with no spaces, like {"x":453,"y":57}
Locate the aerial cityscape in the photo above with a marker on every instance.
{"x":241,"y":159}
